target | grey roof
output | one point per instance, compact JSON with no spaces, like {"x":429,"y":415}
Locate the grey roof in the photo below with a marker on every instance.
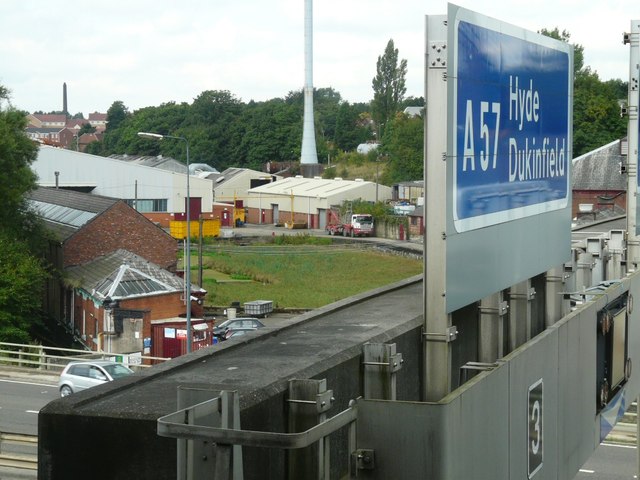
{"x":201,"y":169}
{"x":66,"y":211}
{"x":600,"y":169}
{"x":412,"y":183}
{"x":227,"y":174}
{"x":163,"y":163}
{"x":122,"y":274}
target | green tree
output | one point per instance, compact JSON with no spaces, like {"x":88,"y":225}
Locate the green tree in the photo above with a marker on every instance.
{"x":596,"y":113}
{"x":86,"y":128}
{"x":402,"y":149}
{"x":271,"y":131}
{"x":21,"y":272}
{"x":17,"y":153}
{"x":596,"y":108}
{"x":389,"y":86}
{"x":116,"y":114}
{"x":352,"y":127}
{"x":564,"y":36}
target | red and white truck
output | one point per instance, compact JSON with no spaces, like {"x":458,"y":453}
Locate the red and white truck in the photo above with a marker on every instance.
{"x":358,"y":225}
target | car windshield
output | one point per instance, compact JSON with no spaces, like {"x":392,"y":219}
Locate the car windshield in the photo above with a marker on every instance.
{"x":363,"y":219}
{"x":116,"y":370}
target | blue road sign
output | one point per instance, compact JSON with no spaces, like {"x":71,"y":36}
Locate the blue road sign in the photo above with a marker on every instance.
{"x":512,"y":119}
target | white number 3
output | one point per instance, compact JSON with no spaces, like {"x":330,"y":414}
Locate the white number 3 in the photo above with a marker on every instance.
{"x":535,"y":416}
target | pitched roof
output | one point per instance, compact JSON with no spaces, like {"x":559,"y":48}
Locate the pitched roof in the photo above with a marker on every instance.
{"x":123,"y":274}
{"x":310,"y":187}
{"x":226,"y":175}
{"x":156,"y":161}
{"x":97,"y":116}
{"x":600,"y":169}
{"x":51,"y":117}
{"x":66,"y":211}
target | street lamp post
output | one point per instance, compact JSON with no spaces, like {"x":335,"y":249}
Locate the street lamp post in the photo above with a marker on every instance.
{"x":157,"y":136}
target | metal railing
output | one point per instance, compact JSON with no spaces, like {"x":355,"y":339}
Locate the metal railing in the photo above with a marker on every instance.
{"x":54,"y":358}
{"x":24,"y":461}
{"x":213,"y":427}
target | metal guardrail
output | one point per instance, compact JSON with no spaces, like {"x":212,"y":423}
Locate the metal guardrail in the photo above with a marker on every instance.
{"x":15,"y":460}
{"x":54,"y":358}
{"x":173,"y":425}
{"x":211,"y":429}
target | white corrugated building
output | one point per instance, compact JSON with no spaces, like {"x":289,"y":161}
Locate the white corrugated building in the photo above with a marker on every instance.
{"x":310,"y":199}
{"x":157,"y":193}
{"x":233,"y":183}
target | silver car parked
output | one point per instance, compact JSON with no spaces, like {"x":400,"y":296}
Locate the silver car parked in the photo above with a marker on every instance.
{"x":78,"y":376}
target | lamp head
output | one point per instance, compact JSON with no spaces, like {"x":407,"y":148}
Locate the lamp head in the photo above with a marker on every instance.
{"x":151,"y":136}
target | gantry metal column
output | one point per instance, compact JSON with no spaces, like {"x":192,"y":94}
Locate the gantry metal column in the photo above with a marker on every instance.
{"x":437,"y":322}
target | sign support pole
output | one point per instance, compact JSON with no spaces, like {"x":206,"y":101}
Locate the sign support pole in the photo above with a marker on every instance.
{"x":437,"y":350}
{"x":632,"y":152}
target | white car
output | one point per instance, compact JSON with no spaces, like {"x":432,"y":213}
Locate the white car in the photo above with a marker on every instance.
{"x":78,"y":376}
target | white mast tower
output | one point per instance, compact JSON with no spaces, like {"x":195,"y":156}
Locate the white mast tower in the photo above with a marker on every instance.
{"x":309,"y":155}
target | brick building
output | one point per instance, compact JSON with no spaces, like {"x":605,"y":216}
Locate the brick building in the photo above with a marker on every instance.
{"x":597,"y":182}
{"x":118,"y":296}
{"x":84,"y":227}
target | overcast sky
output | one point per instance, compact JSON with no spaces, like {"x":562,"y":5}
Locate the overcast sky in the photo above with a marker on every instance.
{"x":149,"y":52}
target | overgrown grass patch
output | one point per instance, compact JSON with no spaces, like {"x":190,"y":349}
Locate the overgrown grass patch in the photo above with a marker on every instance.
{"x":306,"y":277}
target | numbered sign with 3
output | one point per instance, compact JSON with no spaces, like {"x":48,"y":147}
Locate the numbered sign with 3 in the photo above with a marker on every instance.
{"x":535,"y":437}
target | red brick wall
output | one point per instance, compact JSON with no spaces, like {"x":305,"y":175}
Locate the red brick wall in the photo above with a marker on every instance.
{"x":160,"y":306}
{"x":591,"y":196}
{"x":161,"y":218}
{"x":157,"y":307}
{"x":254,"y":216}
{"x":91,"y":314}
{"x":121,"y":227}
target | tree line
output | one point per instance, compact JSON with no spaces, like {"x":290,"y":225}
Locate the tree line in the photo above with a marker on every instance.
{"x":223,"y":131}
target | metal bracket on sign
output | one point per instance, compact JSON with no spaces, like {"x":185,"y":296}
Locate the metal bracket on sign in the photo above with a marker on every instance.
{"x":394,"y":364}
{"x":365,"y":459}
{"x":322,"y":402}
{"x":502,"y":309}
{"x":529,"y":296}
{"x":437,"y":54}
{"x":449,"y":336}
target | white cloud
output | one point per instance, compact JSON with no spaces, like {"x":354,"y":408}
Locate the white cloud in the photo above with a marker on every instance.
{"x":147,"y":52}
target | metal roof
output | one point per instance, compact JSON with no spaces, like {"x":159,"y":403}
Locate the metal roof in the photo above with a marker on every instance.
{"x":66,"y":211}
{"x":76,"y":200}
{"x":231,"y":172}
{"x":156,"y":161}
{"x":60,"y":214}
{"x":123,"y":274}
{"x":309,"y":187}
{"x":599,"y":169}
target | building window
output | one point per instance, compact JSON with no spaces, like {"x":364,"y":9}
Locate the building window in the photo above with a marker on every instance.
{"x":148,"y":206}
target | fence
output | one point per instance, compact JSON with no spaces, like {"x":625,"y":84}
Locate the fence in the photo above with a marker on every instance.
{"x":54,"y":358}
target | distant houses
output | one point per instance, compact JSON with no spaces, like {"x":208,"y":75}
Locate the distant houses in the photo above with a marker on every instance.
{"x":61,"y":131}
